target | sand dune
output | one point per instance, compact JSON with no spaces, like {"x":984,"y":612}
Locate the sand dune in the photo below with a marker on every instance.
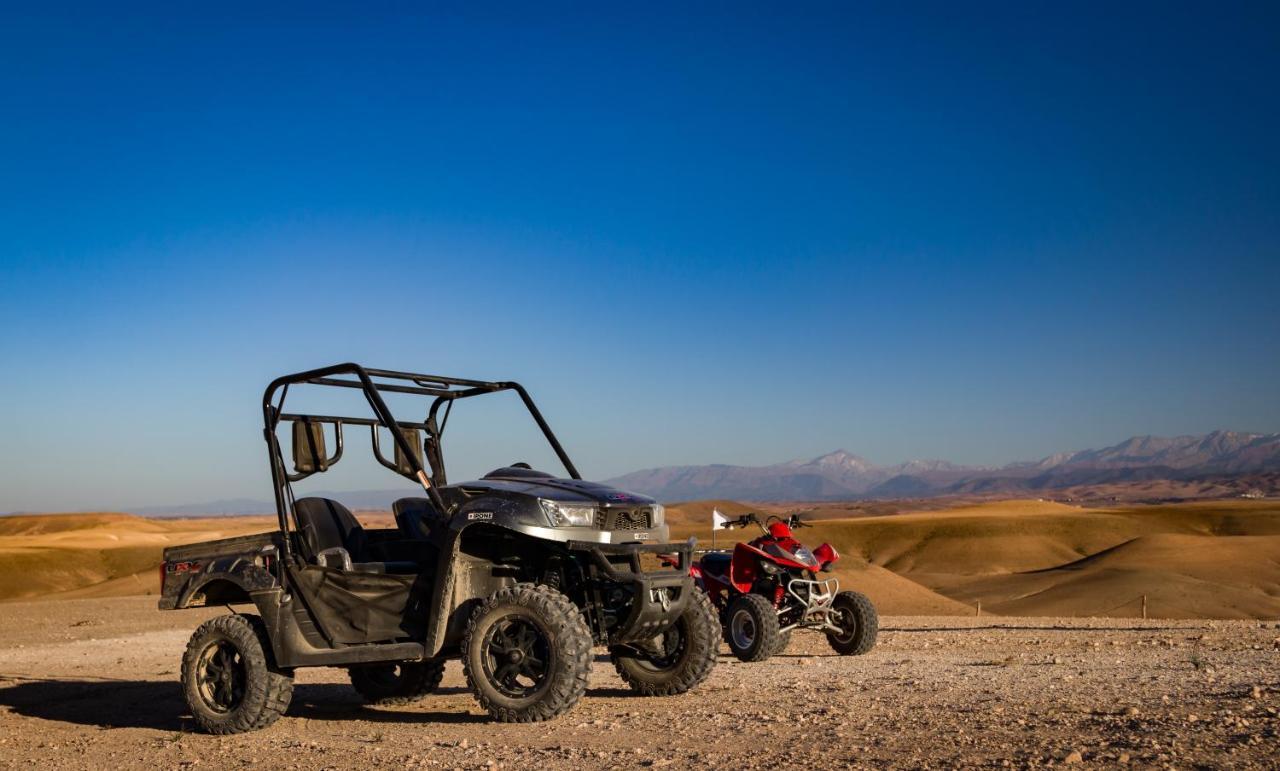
{"x":1191,"y":576}
{"x":99,"y":554}
{"x":1218,"y":559}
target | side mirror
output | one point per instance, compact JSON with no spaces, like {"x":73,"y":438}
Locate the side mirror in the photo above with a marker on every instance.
{"x":401,"y":464}
{"x":412,"y":437}
{"x":309,"y":454}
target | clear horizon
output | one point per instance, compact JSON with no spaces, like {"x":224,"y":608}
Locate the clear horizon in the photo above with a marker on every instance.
{"x":696,"y":237}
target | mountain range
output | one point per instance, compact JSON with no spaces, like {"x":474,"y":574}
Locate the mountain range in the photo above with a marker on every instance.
{"x":842,"y":475}
{"x":1217,"y":464}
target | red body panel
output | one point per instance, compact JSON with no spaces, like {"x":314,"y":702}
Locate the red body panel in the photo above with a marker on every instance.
{"x":744,"y":565}
{"x":742,"y":571}
{"x":826,"y":554}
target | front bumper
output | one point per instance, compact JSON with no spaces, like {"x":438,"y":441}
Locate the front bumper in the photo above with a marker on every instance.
{"x":590,"y":536}
{"x":659,"y":597}
{"x":816,"y":607}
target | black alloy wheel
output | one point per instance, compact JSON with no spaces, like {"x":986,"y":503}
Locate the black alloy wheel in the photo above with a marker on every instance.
{"x":517,"y":656}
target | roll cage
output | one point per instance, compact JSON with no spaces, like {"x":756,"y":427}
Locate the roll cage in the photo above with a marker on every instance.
{"x":408,"y":462}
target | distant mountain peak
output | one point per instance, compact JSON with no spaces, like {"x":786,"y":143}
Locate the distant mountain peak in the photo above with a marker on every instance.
{"x":841,"y":459}
{"x":842,"y":474}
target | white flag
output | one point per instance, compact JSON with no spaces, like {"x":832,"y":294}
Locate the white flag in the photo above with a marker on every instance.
{"x":718,"y":520}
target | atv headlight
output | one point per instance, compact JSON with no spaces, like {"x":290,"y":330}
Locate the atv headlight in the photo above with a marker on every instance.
{"x":568,"y":514}
{"x":657,"y":515}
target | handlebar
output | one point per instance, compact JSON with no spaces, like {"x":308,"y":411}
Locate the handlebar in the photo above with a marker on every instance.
{"x":792,"y":520}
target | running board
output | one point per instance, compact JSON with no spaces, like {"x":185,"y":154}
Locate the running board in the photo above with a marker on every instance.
{"x":361,"y":654}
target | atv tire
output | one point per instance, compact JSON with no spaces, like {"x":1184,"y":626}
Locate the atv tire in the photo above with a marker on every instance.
{"x":682,"y":658}
{"x":230,"y":679}
{"x":784,"y":640}
{"x":751,"y":627}
{"x":527,"y":654}
{"x":402,"y":683}
{"x":860,"y":623}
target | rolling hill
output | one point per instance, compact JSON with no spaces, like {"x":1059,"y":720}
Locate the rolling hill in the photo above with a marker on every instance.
{"x":1214,"y":559}
{"x":1192,"y":560}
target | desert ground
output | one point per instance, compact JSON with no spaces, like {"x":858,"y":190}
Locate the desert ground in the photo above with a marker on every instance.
{"x":1055,"y":670}
{"x":92,"y":683}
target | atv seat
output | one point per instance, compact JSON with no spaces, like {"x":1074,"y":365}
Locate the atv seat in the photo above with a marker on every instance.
{"x":418,"y":518}
{"x":328,"y":528}
{"x":716,"y":563}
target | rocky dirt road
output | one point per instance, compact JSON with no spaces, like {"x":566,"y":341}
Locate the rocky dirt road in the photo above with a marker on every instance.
{"x":93,"y":684}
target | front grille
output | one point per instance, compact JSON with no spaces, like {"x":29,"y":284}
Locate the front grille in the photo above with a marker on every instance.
{"x":627,"y":519}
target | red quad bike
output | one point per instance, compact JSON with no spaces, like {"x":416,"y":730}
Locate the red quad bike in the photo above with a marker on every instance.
{"x":770,"y":586}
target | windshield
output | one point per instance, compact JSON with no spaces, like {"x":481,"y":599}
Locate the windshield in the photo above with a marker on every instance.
{"x":800,"y":555}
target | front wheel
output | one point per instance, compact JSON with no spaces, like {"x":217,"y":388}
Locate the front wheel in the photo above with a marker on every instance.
{"x":229,"y":677}
{"x":676,"y":660}
{"x":858,"y":622}
{"x":751,"y":627}
{"x":527,"y":654}
{"x":402,"y":683}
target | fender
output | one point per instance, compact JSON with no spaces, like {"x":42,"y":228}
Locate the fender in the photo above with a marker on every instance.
{"x":233,"y":585}
{"x":743,"y":570}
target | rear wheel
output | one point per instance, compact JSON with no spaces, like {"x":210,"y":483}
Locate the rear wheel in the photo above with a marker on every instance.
{"x":229,"y":678}
{"x":858,"y":622}
{"x":527,"y":654}
{"x":784,"y":639}
{"x":676,"y":660}
{"x":401,"y":683}
{"x":751,"y":627}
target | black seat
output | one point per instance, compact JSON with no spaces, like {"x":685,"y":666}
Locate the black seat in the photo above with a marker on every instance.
{"x":326,"y":526}
{"x":716,"y":562}
{"x":418,"y":518}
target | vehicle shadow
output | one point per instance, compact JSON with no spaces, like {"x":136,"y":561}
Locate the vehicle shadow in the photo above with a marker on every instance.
{"x":1041,"y":628}
{"x":159,"y":705}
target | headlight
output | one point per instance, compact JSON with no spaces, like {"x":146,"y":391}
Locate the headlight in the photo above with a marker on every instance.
{"x":657,"y":516}
{"x":568,"y":514}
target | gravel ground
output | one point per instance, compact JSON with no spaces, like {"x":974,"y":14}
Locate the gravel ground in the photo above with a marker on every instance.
{"x":93,"y":684}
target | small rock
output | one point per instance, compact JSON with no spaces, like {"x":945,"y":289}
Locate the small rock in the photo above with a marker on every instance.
{"x":1255,"y":692}
{"x":1124,"y":758}
{"x":1131,"y":712}
{"x":1073,"y":757}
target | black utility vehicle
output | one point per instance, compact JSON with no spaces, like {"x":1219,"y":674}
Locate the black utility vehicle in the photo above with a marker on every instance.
{"x":518,"y":574}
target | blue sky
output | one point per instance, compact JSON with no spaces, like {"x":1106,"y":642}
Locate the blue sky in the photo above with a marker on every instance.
{"x":728,"y":233}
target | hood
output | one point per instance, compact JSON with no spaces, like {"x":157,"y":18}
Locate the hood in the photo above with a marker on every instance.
{"x":540,"y":485}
